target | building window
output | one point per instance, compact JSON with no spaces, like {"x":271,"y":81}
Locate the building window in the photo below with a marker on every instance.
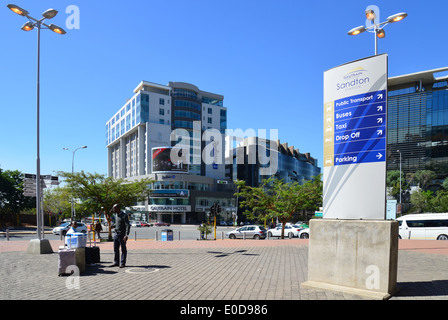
{"x":209,"y":120}
{"x":162,"y":101}
{"x":185,"y":93}
{"x":161,"y":121}
{"x":187,"y":104}
{"x":209,"y":110}
{"x":186,"y":114}
{"x":161,"y":111}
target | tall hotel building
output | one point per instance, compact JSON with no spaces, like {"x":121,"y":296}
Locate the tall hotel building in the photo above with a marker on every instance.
{"x":148,"y":120}
{"x":417,"y":125}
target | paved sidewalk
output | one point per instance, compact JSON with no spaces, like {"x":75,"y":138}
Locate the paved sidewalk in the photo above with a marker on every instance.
{"x":206,"y":270}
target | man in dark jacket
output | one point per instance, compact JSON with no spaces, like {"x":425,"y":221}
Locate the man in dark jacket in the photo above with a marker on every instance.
{"x":122,"y":229}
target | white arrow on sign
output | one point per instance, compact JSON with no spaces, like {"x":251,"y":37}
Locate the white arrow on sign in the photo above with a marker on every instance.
{"x":379,"y":132}
{"x":379,"y":120}
{"x":379,"y":108}
{"x":380,"y":96}
{"x":379,"y":155}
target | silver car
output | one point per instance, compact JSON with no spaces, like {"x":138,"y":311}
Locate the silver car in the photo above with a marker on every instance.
{"x":248,"y":232}
{"x":63,"y":228}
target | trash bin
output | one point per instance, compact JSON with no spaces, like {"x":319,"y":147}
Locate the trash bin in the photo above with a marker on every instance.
{"x":167,"y":235}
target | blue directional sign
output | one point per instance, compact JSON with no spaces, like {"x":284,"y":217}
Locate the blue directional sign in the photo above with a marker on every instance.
{"x":355,"y":124}
{"x":360,"y":128}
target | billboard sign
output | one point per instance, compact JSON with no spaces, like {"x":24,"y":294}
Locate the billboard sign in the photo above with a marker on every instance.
{"x":162,"y":160}
{"x":355,"y":116}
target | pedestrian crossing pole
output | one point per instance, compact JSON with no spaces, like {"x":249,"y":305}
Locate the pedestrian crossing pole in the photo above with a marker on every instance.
{"x":215,"y":210}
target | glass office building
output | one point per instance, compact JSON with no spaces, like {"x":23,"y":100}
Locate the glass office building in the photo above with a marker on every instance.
{"x":249,"y":159}
{"x":418,"y":122}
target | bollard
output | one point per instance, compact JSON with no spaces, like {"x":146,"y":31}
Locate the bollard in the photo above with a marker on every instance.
{"x":179,"y":234}
{"x":156,"y":236}
{"x":244,"y":236}
{"x":7,"y":234}
{"x":135,"y":235}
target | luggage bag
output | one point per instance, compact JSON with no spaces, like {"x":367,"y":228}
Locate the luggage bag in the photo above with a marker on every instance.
{"x":92,"y":255}
{"x":66,"y":258}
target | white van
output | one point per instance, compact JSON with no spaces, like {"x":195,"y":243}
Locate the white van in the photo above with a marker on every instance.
{"x":428,"y":226}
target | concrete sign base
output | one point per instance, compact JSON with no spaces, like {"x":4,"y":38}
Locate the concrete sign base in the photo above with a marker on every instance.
{"x":354,"y":256}
{"x":39,"y":246}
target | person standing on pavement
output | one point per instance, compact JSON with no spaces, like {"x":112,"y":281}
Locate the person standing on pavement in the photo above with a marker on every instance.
{"x":98,"y":229}
{"x":72,"y":228}
{"x":122,"y":229}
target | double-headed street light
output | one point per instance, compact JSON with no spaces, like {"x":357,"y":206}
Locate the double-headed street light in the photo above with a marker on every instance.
{"x":28,"y":26}
{"x":376,"y":27}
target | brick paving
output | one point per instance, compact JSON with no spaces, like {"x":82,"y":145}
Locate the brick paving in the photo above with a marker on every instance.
{"x":206,"y":270}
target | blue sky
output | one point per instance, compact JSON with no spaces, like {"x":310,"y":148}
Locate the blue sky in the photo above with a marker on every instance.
{"x":266,"y":57}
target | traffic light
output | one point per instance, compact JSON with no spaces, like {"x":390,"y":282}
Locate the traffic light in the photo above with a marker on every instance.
{"x":215,"y":209}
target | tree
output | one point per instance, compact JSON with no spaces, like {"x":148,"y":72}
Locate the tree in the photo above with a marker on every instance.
{"x":393,"y":182}
{"x":12,"y":200}
{"x":445,"y":184}
{"x":205,"y":229}
{"x":424,"y":178}
{"x":57,"y":201}
{"x":421,"y":200}
{"x":277,"y":199}
{"x":440,"y":202}
{"x":99,"y":193}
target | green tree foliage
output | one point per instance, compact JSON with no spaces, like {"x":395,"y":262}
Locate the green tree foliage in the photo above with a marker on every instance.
{"x":277,"y":199}
{"x":421,"y":201}
{"x":424,"y":178}
{"x":393,"y":182}
{"x":205,"y":229}
{"x":445,"y":184}
{"x":440,"y":202}
{"x":12,"y":200}
{"x":99,"y":193}
{"x":58,"y":201}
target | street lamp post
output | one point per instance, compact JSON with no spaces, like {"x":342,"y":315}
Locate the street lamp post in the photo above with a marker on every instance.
{"x":376,"y":27}
{"x":28,"y":26}
{"x":73,"y":170}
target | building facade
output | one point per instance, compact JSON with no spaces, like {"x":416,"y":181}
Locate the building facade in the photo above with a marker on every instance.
{"x":417,"y":124}
{"x":156,"y":118}
{"x":256,"y":159}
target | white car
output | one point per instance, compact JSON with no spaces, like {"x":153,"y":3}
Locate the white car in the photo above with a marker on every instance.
{"x":304,"y":234}
{"x":248,"y":232}
{"x":136,"y":224}
{"x":290,"y":231}
{"x":63,"y":228}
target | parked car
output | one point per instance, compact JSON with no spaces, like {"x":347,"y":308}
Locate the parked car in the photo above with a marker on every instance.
{"x":63,"y":228}
{"x":136,"y":224}
{"x":304,"y":234}
{"x":290,"y":231}
{"x":144,"y":224}
{"x":161,"y":224}
{"x":248,"y":232}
